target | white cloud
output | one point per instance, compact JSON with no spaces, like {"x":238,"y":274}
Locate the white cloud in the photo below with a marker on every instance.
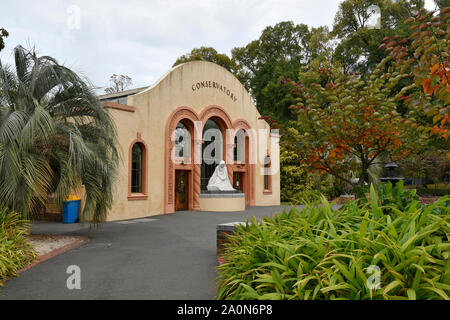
{"x":142,"y":39}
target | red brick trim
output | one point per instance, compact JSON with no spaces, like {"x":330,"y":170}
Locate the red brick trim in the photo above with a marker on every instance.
{"x":248,"y":167}
{"x":224,"y":121}
{"x":118,"y":106}
{"x":189,"y":116}
{"x":216,"y":112}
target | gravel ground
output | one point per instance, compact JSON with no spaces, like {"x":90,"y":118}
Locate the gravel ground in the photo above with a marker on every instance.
{"x":44,"y":244}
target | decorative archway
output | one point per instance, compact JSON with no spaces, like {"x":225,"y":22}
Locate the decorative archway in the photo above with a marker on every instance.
{"x":189,"y":118}
{"x":223,"y":119}
{"x":217,"y":112}
{"x":248,"y":168}
{"x":195,"y":125}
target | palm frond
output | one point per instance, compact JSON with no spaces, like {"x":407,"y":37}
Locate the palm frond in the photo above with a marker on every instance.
{"x":55,"y":136}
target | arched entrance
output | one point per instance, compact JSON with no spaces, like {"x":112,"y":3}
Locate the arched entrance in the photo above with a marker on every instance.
{"x":186,"y":170}
{"x":183,"y":171}
{"x":212,"y":151}
{"x":243,"y":168}
{"x":221,"y":118}
{"x":181,"y":185}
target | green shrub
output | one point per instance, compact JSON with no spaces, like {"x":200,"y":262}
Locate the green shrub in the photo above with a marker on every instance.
{"x":294,"y":177}
{"x":15,"y":251}
{"x":306,"y":196}
{"x":318,"y":253}
{"x":433,"y":192}
{"x":396,"y":197}
{"x":328,"y":185}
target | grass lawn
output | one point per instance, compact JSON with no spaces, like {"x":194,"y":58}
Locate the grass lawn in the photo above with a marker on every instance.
{"x":440,"y":185}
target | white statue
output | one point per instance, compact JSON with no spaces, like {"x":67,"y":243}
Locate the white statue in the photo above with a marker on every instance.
{"x":219,"y":180}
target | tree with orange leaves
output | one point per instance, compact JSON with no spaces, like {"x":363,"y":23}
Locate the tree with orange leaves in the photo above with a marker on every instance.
{"x":424,"y":56}
{"x":357,"y":126}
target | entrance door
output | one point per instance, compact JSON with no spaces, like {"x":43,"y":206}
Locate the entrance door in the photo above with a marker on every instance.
{"x":238,"y":181}
{"x":181,"y":190}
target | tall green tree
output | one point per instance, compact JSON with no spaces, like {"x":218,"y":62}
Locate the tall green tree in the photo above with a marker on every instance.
{"x":209,"y":54}
{"x":358,"y":40}
{"x":118,"y":83}
{"x":54,"y":137}
{"x":3,"y":34}
{"x":278,"y":54}
{"x":283,"y":43}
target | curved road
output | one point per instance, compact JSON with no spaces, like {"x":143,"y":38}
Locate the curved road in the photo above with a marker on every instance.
{"x":165,"y":257}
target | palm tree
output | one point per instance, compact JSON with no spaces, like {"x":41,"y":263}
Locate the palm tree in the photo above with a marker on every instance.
{"x":54,"y":137}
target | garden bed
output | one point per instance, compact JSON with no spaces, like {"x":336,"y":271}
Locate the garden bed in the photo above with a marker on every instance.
{"x":428,"y":200}
{"x":48,"y":246}
{"x":44,"y":244}
{"x":318,"y":253}
{"x":423,"y":200}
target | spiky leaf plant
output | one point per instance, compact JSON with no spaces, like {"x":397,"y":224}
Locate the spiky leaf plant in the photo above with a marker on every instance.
{"x":318,"y":253}
{"x":54,"y":137}
{"x":15,"y":251}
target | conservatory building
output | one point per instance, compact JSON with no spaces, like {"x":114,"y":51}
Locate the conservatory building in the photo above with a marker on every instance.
{"x":173,"y":137}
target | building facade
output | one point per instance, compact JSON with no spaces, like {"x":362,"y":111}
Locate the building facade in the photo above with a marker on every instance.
{"x":173,"y":134}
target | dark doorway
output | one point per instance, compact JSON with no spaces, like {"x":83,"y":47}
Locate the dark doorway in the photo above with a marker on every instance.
{"x":212,"y":151}
{"x":238,"y":181}
{"x":181,"y":190}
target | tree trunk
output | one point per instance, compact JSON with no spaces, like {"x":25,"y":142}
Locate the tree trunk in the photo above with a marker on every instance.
{"x":362,"y":178}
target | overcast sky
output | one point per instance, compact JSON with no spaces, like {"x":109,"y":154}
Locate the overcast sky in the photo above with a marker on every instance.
{"x":142,"y":39}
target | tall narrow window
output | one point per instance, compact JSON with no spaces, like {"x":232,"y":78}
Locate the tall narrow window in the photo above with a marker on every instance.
{"x":136,"y":168}
{"x":211,"y":151}
{"x":239,"y":146}
{"x":182,"y":141}
{"x":267,"y":175}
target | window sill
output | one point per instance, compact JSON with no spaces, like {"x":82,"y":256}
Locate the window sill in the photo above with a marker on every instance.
{"x":137,"y":196}
{"x":267,"y":191}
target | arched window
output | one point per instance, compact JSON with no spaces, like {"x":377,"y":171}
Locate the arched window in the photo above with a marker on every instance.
{"x":212,"y":151}
{"x":239,"y":146}
{"x":137,"y":180}
{"x":136,"y":168}
{"x":182,"y":141}
{"x":267,"y":175}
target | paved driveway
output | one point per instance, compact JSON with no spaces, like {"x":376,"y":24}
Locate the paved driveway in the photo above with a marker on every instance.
{"x":165,"y":257}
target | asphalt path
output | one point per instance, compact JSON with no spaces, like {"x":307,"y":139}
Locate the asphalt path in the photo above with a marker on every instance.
{"x":162,"y":257}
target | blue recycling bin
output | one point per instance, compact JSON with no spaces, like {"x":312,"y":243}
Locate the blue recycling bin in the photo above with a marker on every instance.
{"x":70,"y":211}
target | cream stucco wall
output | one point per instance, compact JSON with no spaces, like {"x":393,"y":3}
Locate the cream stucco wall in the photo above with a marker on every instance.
{"x":153,"y":107}
{"x":222,"y":204}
